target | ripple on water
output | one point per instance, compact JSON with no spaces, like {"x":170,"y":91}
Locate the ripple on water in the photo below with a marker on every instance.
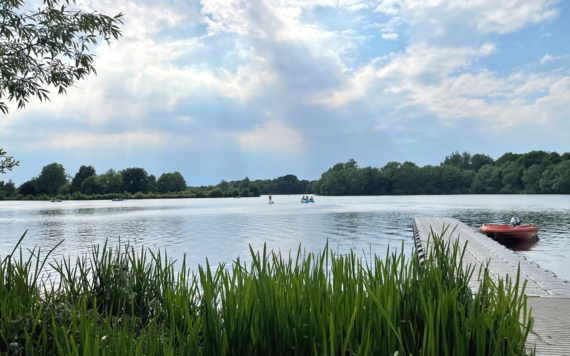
{"x":223,"y":229}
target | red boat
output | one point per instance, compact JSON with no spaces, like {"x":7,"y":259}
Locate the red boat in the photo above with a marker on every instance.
{"x":522,"y":232}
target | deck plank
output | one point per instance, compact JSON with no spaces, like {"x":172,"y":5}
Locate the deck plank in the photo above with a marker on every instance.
{"x":549,"y":295}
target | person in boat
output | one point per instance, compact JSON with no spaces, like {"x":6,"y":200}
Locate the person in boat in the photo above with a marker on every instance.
{"x":311,"y":199}
{"x":515,"y":221}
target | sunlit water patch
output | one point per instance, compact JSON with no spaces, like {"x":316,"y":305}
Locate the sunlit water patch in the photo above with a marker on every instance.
{"x":223,"y":229}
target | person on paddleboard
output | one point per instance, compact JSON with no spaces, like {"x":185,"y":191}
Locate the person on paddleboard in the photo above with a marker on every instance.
{"x":271,"y":201}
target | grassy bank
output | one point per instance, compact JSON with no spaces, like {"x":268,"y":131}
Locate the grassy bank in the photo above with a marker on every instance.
{"x":127,"y":302}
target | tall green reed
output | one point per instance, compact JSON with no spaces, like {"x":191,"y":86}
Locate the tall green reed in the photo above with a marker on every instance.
{"x":126,"y":302}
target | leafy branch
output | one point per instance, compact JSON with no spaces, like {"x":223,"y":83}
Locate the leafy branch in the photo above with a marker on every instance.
{"x":47,"y":47}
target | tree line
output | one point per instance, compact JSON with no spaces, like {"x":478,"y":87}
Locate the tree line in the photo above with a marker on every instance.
{"x":53,"y":182}
{"x":536,"y":172}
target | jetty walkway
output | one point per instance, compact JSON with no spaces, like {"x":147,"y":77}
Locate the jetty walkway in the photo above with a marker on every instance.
{"x":549,"y":296}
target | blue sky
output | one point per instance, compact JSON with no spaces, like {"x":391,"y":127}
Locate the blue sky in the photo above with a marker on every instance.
{"x":223,"y":89}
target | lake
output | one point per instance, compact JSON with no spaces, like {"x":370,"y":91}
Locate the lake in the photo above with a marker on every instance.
{"x":223,"y":229}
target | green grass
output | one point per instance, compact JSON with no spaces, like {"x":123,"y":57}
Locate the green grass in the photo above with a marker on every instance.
{"x":127,"y":302}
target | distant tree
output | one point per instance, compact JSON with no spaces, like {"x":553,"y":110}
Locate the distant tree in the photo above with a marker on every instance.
{"x":561,"y":184}
{"x":533,"y":157}
{"x":111,"y":182}
{"x":27,"y":188}
{"x":51,"y":179}
{"x":135,"y":180}
{"x":64,"y":189}
{"x":508,"y":157}
{"x":547,"y":180}
{"x":479,"y":160}
{"x":551,"y":159}
{"x":216,"y":193}
{"x":531,"y":179}
{"x":245,"y":192}
{"x":389,"y":171}
{"x":565,"y":156}
{"x":511,"y":177}
{"x":244,"y":183}
{"x":8,"y":188}
{"x":47,"y":47}
{"x":91,"y":185}
{"x":254,"y":190}
{"x":487,"y":180}
{"x":224,"y":185}
{"x":171,"y":182}
{"x":407,"y":180}
{"x":83,"y":173}
{"x":6,"y":163}
{"x":456,"y":159}
{"x":152,"y":186}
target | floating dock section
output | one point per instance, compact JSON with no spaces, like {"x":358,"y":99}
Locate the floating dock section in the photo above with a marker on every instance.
{"x":549,"y":296}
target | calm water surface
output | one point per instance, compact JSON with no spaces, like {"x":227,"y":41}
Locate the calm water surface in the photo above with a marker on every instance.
{"x":223,"y":229}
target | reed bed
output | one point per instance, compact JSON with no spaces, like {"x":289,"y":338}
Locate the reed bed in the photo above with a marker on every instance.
{"x":124,"y":301}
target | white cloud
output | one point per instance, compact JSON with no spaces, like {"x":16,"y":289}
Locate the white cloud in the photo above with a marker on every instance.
{"x":133,"y":139}
{"x":443,"y":82}
{"x":500,"y":16}
{"x":272,"y":135}
{"x":137,"y":74}
{"x":390,"y":36}
{"x":547,"y":58}
{"x":403,"y":70}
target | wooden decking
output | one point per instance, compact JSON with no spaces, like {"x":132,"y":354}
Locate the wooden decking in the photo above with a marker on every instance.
{"x":550,"y":308}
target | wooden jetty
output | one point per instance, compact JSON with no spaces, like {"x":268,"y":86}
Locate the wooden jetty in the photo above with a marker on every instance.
{"x":549,"y":296}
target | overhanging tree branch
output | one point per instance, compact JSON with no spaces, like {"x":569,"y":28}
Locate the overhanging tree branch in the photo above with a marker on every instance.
{"x":47,"y":47}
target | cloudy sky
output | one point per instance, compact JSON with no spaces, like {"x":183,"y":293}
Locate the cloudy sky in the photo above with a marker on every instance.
{"x":221,"y":89}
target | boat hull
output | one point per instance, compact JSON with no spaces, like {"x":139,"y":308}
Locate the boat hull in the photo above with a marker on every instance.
{"x":523,"y":232}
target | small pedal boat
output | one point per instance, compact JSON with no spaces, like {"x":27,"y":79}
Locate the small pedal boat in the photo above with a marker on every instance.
{"x":522,"y":232}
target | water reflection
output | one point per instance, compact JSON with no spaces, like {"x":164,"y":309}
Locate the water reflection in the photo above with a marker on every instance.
{"x":223,"y":229}
{"x":516,"y":244}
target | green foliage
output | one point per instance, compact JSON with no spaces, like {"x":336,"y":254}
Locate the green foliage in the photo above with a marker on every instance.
{"x":83,"y":173}
{"x":64,"y":190}
{"x":47,"y":46}
{"x":7,"y":189}
{"x":124,"y":302}
{"x":134,"y":180}
{"x":91,"y":185}
{"x":531,"y":179}
{"x":216,"y":193}
{"x":511,"y":177}
{"x":111,"y":181}
{"x":224,"y":185}
{"x":254,"y":190}
{"x":6,"y":163}
{"x":561,"y":183}
{"x":28,"y":188}
{"x":51,"y":179}
{"x":152,"y":185}
{"x":245,"y":192}
{"x":171,"y":182}
{"x":532,"y":173}
{"x":479,"y":160}
{"x":508,"y":157}
{"x":244,"y":183}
